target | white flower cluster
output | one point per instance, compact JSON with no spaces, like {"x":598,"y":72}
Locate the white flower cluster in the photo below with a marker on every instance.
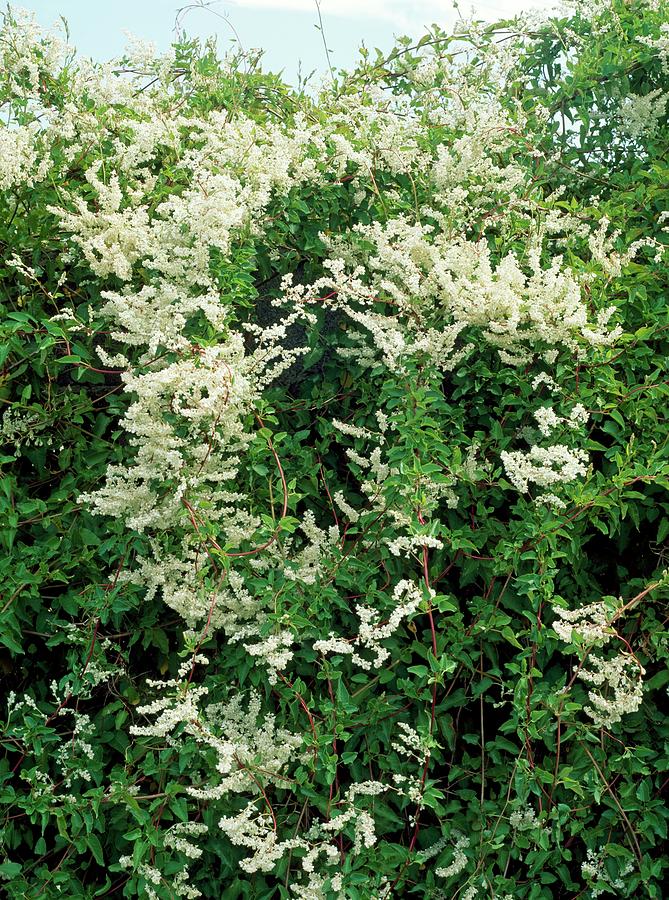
{"x":345,"y":507}
{"x":256,"y":831}
{"x":594,"y":870}
{"x":73,"y":751}
{"x":252,"y":829}
{"x":459,"y":861}
{"x":548,"y":420}
{"x":618,"y":680}
{"x":441,"y":286}
{"x":241,"y":740}
{"x":179,"y":884}
{"x":207,"y":398}
{"x":74,"y":755}
{"x":639,"y":114}
{"x":410,"y":744}
{"x":29,"y":55}
{"x":407,"y":597}
{"x":524,"y":819}
{"x":619,"y":683}
{"x":306,"y":566}
{"x":544,"y":466}
{"x":592,"y":622}
{"x":377,"y":471}
{"x":20,"y":164}
{"x":393,"y":503}
{"x":177,"y":838}
{"x":354,"y":430}
{"x":405,"y":545}
{"x":250,"y":753}
{"x":661,"y":44}
{"x":273,"y":651}
{"x":171,"y":710}
{"x":20,"y":427}
{"x":410,"y":786}
{"x":602,"y":246}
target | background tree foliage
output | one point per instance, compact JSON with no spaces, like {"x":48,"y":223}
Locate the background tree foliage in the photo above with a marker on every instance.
{"x":521,"y":794}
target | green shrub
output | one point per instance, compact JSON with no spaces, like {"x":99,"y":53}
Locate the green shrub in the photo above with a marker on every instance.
{"x":335,"y":466}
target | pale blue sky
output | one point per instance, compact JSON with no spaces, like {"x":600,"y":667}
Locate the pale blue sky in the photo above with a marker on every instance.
{"x":284,"y":28}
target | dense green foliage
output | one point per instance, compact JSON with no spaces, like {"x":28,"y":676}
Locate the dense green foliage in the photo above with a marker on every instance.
{"x":551,"y":802}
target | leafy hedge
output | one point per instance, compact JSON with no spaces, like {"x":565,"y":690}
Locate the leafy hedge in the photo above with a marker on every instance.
{"x":335,"y":466}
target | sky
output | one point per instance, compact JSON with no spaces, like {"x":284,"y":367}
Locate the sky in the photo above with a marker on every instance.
{"x":285,"y":29}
